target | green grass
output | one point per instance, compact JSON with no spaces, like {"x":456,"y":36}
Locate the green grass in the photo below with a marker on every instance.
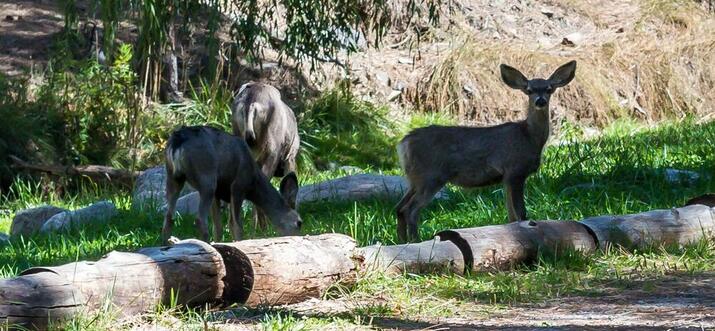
{"x":618,"y":173}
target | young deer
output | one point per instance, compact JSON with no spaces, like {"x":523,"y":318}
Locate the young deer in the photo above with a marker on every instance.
{"x":479,"y":156}
{"x":269,"y":127}
{"x":220,"y":167}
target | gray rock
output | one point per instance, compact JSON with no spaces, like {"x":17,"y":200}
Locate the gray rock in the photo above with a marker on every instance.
{"x":4,"y":238}
{"x":29,"y":221}
{"x":469,"y":89}
{"x":348,"y":168}
{"x":357,"y":187}
{"x":400,"y":85}
{"x":186,"y":205}
{"x":548,"y":12}
{"x":572,"y":39}
{"x":678,"y":176}
{"x":405,"y":60}
{"x":383,"y":78}
{"x":100,"y":211}
{"x":394,"y":95}
{"x":150,"y":188}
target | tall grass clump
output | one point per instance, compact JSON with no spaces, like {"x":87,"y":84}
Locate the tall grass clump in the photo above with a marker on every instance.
{"x":340,"y":129}
{"x":92,"y":109}
{"x":21,"y":127}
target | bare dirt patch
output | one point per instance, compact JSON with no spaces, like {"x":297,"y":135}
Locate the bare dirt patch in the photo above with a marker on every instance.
{"x":678,"y":302}
{"x":26,"y":31}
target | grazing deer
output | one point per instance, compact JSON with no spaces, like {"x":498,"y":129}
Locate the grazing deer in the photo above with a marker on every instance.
{"x":479,"y":156}
{"x":269,"y":127}
{"x":220,"y":167}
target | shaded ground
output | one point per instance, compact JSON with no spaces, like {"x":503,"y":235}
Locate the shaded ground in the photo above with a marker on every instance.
{"x":679,"y":302}
{"x":26,"y":31}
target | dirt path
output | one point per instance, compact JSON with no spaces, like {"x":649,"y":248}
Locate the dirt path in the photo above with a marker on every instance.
{"x":680,"y":302}
{"x":26,"y":31}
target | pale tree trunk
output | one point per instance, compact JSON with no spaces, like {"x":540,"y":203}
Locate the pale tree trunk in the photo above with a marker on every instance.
{"x":170,"y":76}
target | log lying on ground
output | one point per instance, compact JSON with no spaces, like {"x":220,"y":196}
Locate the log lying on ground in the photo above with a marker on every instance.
{"x":122,"y":176}
{"x":427,"y":256}
{"x":356,"y":188}
{"x":271,"y":271}
{"x":291,"y":269}
{"x":286,"y":270}
{"x":677,"y":226}
{"x":191,"y":271}
{"x":503,"y":246}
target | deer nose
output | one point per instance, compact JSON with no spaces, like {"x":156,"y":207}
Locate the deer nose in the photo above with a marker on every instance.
{"x":540,"y":102}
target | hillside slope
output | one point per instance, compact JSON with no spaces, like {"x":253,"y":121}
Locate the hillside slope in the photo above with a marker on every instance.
{"x":643,"y":59}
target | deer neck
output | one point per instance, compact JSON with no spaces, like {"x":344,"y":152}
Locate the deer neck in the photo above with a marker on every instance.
{"x":538,"y":124}
{"x":266,"y":197}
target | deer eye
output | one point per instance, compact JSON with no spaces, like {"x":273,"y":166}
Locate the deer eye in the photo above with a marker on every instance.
{"x":549,"y":90}
{"x":529,"y":91}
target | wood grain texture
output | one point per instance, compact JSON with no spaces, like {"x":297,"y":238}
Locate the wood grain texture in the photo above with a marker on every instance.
{"x":133,"y":283}
{"x":431,"y":255}
{"x":503,"y":246}
{"x":290,"y":269}
{"x":677,"y":226}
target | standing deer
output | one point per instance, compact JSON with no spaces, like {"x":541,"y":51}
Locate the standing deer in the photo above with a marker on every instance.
{"x":220,"y":167}
{"x":479,"y":156}
{"x":269,"y":127}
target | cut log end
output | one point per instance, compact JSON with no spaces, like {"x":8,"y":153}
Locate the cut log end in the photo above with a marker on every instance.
{"x":238,"y":282}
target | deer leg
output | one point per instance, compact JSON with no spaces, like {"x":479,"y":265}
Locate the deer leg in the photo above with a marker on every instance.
{"x":402,"y":215}
{"x":206,"y":198}
{"x":173,"y":188}
{"x":421,"y":198}
{"x":236,"y":223}
{"x":216,"y":218}
{"x":515,"y":199}
{"x":268,"y":167}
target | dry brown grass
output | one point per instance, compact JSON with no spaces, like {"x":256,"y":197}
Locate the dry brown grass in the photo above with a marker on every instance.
{"x":661,"y":66}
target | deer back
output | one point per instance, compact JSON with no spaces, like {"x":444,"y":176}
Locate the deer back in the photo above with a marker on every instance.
{"x":265,"y":121}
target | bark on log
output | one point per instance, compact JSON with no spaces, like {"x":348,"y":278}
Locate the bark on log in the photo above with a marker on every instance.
{"x":191,"y":271}
{"x":121,"y":176}
{"x":427,"y":256}
{"x":356,"y":188}
{"x":503,"y":246}
{"x":677,"y":226}
{"x":285,"y":270}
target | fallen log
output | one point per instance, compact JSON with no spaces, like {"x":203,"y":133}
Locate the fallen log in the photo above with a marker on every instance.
{"x":503,"y":246}
{"x":664,"y":227}
{"x":356,"y":188}
{"x":707,"y":199}
{"x":97,"y":172}
{"x":191,"y":272}
{"x":286,"y":270}
{"x":428,"y":256}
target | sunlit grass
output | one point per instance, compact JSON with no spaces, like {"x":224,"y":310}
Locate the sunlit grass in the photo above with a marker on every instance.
{"x":621,"y":172}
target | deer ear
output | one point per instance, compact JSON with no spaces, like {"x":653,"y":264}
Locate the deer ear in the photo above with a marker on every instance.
{"x":513,"y":77}
{"x":563,"y":75}
{"x":289,"y":189}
